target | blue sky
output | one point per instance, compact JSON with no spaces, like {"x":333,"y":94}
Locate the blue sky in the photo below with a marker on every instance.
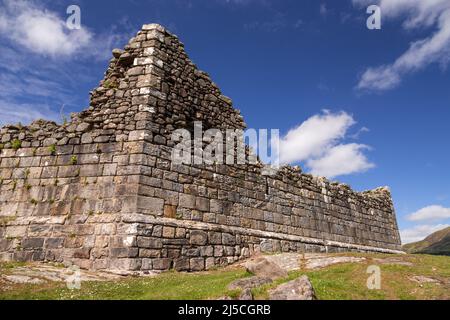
{"x":282,"y":62}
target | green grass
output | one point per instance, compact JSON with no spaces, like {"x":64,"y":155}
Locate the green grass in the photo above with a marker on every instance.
{"x":348,"y":281}
{"x":16,"y":144}
{"x":338,"y":282}
{"x":167,"y":286}
{"x":5,"y":266}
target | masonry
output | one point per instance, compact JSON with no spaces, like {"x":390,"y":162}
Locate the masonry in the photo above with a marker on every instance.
{"x":100,"y":191}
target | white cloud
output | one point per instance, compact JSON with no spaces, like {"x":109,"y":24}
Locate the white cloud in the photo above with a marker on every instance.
{"x":420,"y":232}
{"x":318,"y":143}
{"x":313,"y":136}
{"x":11,"y":113}
{"x":359,"y":133}
{"x":33,"y":27}
{"x":433,"y":212}
{"x":41,"y":31}
{"x":433,"y":49}
{"x":31,"y":86}
{"x":341,"y":160}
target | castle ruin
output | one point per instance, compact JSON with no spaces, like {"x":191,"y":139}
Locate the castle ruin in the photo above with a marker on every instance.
{"x":101,"y":191}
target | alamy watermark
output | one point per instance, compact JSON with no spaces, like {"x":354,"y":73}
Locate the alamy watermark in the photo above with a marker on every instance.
{"x":73,"y":280}
{"x":374,"y":20}
{"x":230,"y":146}
{"x":374,"y":280}
{"x":73,"y":22}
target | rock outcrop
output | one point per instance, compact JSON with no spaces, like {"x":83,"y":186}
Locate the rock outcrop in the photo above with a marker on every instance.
{"x":298,"y":289}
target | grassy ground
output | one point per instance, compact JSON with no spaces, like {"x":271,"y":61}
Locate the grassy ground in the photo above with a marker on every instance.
{"x":349,"y":281}
{"x":339,"y":282}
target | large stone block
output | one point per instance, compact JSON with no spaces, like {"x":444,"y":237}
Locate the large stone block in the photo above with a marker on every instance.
{"x":150,"y":205}
{"x":162,"y":264}
{"x":187,"y":201}
{"x":197,"y":264}
{"x":198,"y":238}
{"x":33,"y":243}
{"x":124,"y":252}
{"x":149,"y":243}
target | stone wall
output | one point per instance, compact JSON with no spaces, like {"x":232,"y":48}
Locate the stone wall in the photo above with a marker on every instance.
{"x":102,"y":192}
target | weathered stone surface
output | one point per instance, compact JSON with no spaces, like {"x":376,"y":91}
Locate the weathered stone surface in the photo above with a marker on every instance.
{"x":41,"y":273}
{"x":181,"y":264}
{"x":197,"y":264}
{"x":162,"y":264}
{"x":246,"y":295}
{"x":323,"y":262}
{"x":298,"y":289}
{"x":249,"y":283}
{"x":22,"y":279}
{"x":198,"y":238}
{"x":262,"y":267}
{"x":423,"y":279}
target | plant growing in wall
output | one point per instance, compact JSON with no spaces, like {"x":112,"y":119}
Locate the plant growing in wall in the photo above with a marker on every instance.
{"x":73,"y":160}
{"x":108,"y":84}
{"x":52,"y":149}
{"x":16,"y":144}
{"x":5,"y":220}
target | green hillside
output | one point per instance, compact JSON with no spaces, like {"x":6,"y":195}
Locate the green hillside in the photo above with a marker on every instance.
{"x":437,"y":243}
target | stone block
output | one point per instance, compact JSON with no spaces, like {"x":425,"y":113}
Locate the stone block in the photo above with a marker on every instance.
{"x":149,"y":253}
{"x":197,"y":264}
{"x":180,"y":233}
{"x":149,"y":243}
{"x":150,"y":205}
{"x":216,"y":206}
{"x":170,"y":211}
{"x":124,"y":252}
{"x":33,"y":243}
{"x":187,"y":201}
{"x":215,"y":237}
{"x":181,"y":264}
{"x":198,"y":238}
{"x":202,"y":204}
{"x":83,"y":253}
{"x":228,"y":239}
{"x":168,"y":232}
{"x":162,"y":264}
{"x":68,"y":171}
{"x":210,"y":263}
{"x":92,"y":170}
{"x":207,"y":251}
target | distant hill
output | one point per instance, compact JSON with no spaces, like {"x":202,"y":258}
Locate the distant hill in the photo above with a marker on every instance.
{"x":437,"y":243}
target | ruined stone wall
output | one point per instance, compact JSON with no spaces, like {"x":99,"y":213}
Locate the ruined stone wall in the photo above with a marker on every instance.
{"x":102,"y":192}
